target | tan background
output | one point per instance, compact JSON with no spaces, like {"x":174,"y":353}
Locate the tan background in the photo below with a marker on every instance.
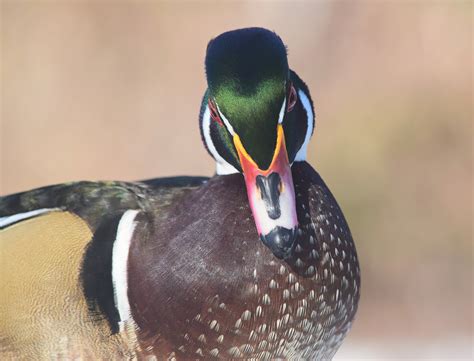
{"x":109,"y":90}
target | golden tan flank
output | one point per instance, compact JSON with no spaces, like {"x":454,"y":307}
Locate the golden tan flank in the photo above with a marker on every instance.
{"x":43,"y":311}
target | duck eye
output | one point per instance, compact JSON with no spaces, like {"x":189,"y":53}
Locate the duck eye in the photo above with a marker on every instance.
{"x":291,"y":99}
{"x":214,"y":113}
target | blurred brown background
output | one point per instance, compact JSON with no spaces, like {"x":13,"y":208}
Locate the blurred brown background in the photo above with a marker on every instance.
{"x":112,"y":91}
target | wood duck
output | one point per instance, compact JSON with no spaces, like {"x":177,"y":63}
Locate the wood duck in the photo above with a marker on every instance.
{"x":256,"y":262}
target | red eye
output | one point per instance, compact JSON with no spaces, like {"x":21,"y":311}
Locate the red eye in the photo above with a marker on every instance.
{"x":214,"y":113}
{"x":292,"y":97}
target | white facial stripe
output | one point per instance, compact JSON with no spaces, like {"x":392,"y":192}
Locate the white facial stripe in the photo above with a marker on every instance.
{"x":5,"y":221}
{"x":282,"y":112}
{"x":222,"y":166}
{"x":120,"y":253}
{"x":301,"y":155}
{"x":226,"y":121}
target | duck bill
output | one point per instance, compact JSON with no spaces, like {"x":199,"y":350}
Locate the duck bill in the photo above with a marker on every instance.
{"x":271,"y":197}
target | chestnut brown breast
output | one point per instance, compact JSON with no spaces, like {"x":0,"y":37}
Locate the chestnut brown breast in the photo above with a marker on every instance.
{"x":202,"y":284}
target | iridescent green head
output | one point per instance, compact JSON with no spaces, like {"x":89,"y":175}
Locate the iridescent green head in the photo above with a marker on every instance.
{"x":257,"y":118}
{"x":247,"y":72}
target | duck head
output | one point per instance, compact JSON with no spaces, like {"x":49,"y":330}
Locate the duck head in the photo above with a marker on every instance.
{"x":257,"y":118}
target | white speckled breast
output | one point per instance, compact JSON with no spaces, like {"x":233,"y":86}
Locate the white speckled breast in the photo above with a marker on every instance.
{"x":234,"y":300}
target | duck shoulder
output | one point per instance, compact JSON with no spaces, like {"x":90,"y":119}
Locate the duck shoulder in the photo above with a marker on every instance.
{"x":93,"y":200}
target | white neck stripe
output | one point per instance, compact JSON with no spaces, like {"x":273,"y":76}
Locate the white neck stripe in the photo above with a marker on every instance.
{"x":302,"y":152}
{"x":222,"y":166}
{"x":281,"y":115}
{"x":226,"y":121}
{"x":120,"y":253}
{"x":7,"y":220}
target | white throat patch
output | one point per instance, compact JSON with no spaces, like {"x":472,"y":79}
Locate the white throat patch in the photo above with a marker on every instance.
{"x":302,"y":152}
{"x":222,"y":166}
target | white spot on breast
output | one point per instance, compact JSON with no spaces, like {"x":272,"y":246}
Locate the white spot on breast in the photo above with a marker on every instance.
{"x":299,"y":263}
{"x":246,"y":348}
{"x":290,"y":333}
{"x":255,"y":289}
{"x":286,"y":318}
{"x":282,"y":270}
{"x":300,"y":311}
{"x":325,"y":259}
{"x":278,"y":324}
{"x":262,"y":345}
{"x":303,"y":303}
{"x":214,"y":325}
{"x":291,"y":278}
{"x":246,"y":315}
{"x":238,"y":323}
{"x":297,"y":287}
{"x":310,"y":271}
{"x":262,"y":328}
{"x":266,"y":299}
{"x":235,"y":352}
{"x":272,"y":336}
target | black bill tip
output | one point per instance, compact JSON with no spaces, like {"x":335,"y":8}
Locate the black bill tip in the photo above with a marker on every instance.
{"x":281,"y":241}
